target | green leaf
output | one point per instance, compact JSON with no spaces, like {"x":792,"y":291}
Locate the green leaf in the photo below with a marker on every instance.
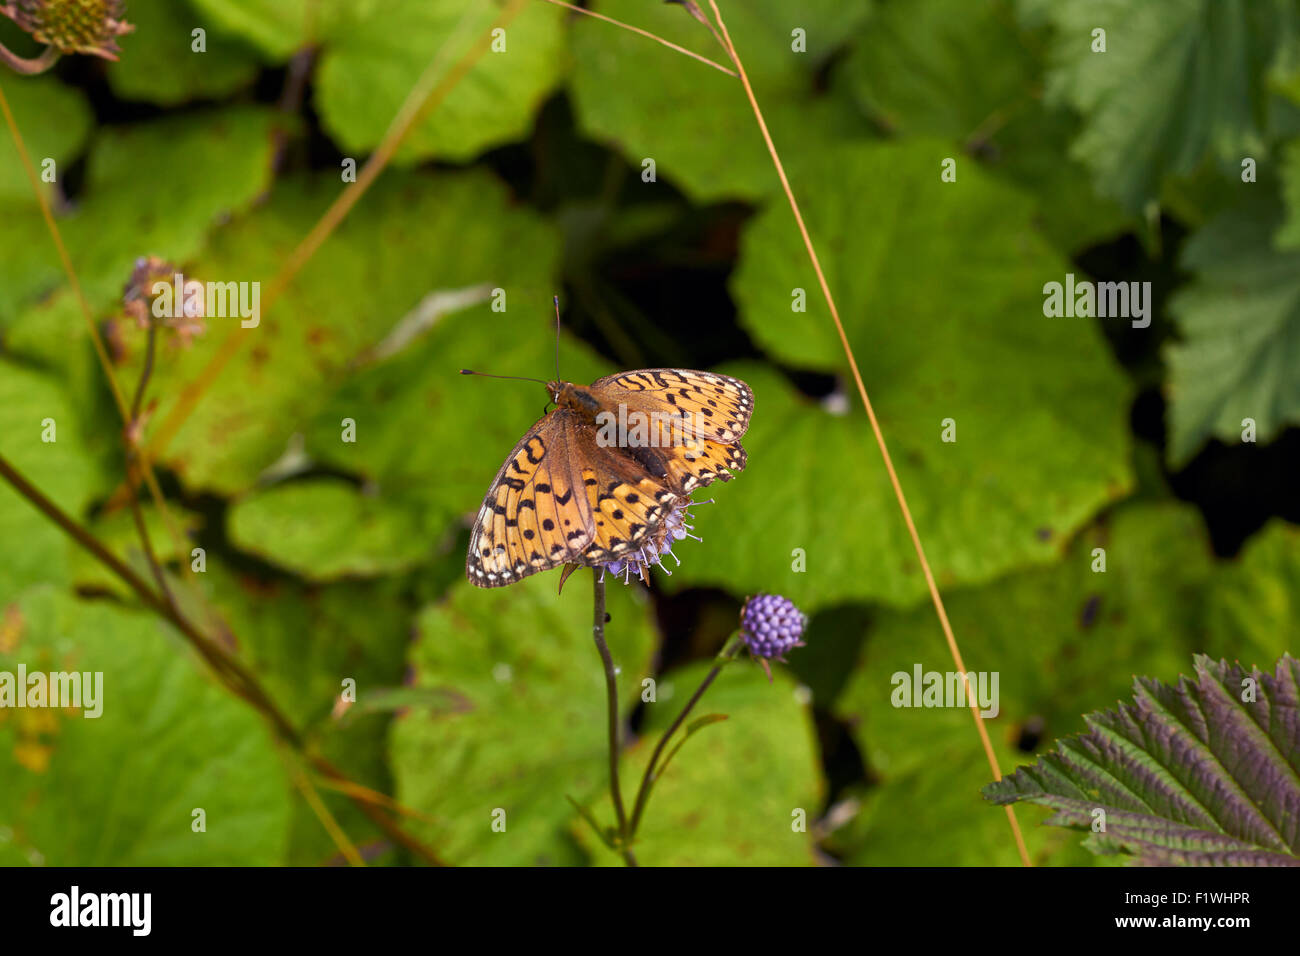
{"x":962,"y":70}
{"x":54,"y":120}
{"x":1178,"y":80}
{"x":1058,"y":639}
{"x":732,"y":798}
{"x":151,"y":189}
{"x":534,"y":729}
{"x":1254,"y":601}
{"x":120,"y":789}
{"x":974,"y":347}
{"x":1240,"y":326}
{"x":699,"y":723}
{"x":62,"y":469}
{"x":370,"y":66}
{"x":414,"y":235}
{"x":280,"y":27}
{"x":325,"y":528}
{"x":163,"y":67}
{"x":694,"y":121}
{"x":1203,"y":773}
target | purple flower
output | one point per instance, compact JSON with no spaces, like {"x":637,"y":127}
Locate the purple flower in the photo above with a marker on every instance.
{"x":673,"y":529}
{"x":772,"y":626}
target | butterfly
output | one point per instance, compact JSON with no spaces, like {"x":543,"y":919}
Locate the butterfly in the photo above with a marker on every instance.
{"x":594,"y":480}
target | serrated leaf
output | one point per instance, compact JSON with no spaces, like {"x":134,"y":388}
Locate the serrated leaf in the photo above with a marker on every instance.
{"x":962,"y":70}
{"x":1205,"y":772}
{"x":1177,"y":80}
{"x":1240,"y":326}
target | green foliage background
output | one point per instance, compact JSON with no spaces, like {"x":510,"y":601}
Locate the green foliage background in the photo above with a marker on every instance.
{"x":329,"y":560}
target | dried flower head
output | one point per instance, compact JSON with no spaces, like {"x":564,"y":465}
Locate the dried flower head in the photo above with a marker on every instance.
{"x":146,"y":302}
{"x":73,"y":26}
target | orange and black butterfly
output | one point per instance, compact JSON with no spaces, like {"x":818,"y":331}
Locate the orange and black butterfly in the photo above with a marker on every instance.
{"x":603,"y":476}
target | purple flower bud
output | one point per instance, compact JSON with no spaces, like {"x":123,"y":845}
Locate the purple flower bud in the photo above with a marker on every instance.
{"x":772,"y":626}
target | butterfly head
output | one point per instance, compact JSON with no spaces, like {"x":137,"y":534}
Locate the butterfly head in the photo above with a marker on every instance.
{"x":576,"y":397}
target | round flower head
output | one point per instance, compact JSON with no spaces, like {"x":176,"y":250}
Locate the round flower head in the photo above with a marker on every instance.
{"x":772,"y":626}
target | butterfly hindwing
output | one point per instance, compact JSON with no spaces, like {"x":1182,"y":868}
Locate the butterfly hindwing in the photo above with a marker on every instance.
{"x":535,"y":514}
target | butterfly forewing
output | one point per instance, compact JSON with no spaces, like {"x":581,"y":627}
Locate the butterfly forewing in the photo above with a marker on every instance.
{"x":535,"y":514}
{"x":717,"y":407}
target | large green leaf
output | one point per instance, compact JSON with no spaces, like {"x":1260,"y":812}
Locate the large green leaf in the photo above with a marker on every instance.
{"x":414,"y":235}
{"x":1240,"y":326}
{"x":694,"y":121}
{"x":1058,"y":639}
{"x":962,"y":70}
{"x":150,"y":189}
{"x":1202,"y":773}
{"x":373,"y":62}
{"x":732,"y":796}
{"x":120,"y":789}
{"x":33,"y":548}
{"x":1178,"y":80}
{"x":162,"y":65}
{"x":530,"y":728}
{"x":53,"y":119}
{"x":1253,"y":613}
{"x":1038,"y":405}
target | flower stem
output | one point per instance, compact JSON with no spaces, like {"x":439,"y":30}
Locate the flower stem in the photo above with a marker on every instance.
{"x":725,"y":656}
{"x":48,"y":57}
{"x":611,"y":697}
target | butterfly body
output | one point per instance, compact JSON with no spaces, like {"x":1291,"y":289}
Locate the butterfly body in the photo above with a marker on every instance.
{"x":594,"y":480}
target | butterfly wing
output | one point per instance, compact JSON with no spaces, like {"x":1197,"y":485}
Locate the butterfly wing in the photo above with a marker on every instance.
{"x":536,"y":514}
{"x":718,"y":406}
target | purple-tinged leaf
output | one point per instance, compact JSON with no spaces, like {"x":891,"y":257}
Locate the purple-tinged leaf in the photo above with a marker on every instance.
{"x":1202,"y":773}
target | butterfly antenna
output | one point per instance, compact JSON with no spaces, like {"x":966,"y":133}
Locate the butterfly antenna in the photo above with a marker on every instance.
{"x":517,"y":378}
{"x":556,"y":300}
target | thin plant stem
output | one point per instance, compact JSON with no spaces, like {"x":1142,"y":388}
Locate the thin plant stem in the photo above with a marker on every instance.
{"x":137,"y":514}
{"x":29,"y":67}
{"x":423,"y":98}
{"x":327,"y":820}
{"x":725,"y":656}
{"x":935,"y":598}
{"x":611,"y":700}
{"x":100,"y":351}
{"x":645,"y":33}
{"x":231,"y":672}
